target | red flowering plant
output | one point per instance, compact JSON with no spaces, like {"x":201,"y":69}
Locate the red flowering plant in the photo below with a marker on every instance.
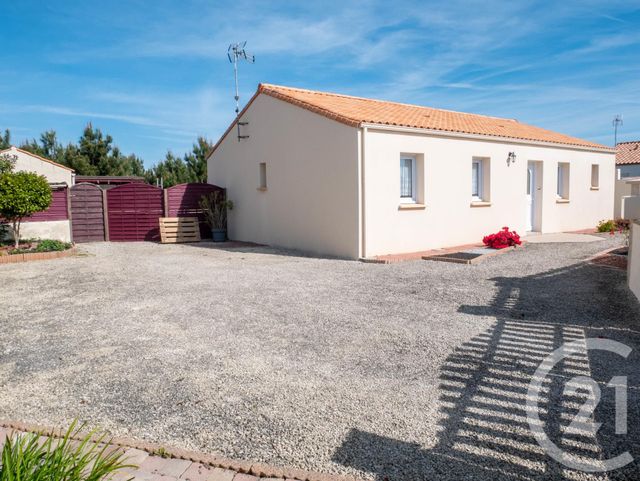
{"x":502,"y":239}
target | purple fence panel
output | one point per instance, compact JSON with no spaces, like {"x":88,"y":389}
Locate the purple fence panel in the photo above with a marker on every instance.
{"x":133,"y":211}
{"x":58,"y":210}
{"x":183,"y":200}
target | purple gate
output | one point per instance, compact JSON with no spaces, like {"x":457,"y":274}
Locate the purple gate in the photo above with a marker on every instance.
{"x":87,"y":213}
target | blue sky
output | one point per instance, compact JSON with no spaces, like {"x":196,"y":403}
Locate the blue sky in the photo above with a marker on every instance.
{"x":154,"y":74}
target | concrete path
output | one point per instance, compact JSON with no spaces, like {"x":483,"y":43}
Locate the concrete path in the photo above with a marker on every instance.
{"x":560,"y":237}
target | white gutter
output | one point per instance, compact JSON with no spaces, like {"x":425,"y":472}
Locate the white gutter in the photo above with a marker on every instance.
{"x":487,"y":138}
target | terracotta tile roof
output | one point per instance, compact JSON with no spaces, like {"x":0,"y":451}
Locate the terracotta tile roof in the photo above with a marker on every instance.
{"x":356,"y":111}
{"x":628,"y":153}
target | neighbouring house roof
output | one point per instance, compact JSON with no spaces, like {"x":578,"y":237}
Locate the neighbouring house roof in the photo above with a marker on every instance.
{"x":628,"y":153}
{"x":49,"y":161}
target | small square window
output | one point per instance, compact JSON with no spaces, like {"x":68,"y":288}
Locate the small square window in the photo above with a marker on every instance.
{"x":408,"y":179}
{"x":263,"y":176}
{"x":595,"y":176}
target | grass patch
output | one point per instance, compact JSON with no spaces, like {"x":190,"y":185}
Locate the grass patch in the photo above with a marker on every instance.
{"x":26,"y":457}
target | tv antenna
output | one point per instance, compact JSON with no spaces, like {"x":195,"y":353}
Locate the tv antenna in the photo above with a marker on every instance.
{"x":237,"y":52}
{"x":617,"y":122}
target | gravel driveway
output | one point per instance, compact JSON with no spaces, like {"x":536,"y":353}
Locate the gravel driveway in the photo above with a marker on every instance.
{"x":417,"y":370}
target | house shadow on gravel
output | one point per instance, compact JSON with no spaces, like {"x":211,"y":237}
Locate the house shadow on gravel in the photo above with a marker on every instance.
{"x":483,"y":428}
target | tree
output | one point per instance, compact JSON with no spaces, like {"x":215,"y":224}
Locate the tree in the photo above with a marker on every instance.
{"x":21,"y":195}
{"x":174,"y":170}
{"x":94,"y":146}
{"x":7,"y":162}
{"x":197,"y":160}
{"x":5,"y":140}
{"x":96,"y":154}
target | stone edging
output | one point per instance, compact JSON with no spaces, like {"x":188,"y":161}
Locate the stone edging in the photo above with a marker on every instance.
{"x":36,"y":256}
{"x":246,"y":467}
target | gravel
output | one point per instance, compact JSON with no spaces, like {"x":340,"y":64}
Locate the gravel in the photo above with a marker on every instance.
{"x":416,"y":370}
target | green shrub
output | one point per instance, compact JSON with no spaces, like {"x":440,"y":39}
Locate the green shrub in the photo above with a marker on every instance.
{"x":613,"y":225}
{"x":49,"y":245}
{"x":606,"y":226}
{"x":21,"y":195}
{"x":26,"y":458}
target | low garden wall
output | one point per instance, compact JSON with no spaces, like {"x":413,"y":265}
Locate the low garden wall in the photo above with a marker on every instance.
{"x":630,"y":207}
{"x":36,"y":256}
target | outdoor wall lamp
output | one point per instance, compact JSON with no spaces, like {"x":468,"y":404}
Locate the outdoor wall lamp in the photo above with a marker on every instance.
{"x":511,"y":159}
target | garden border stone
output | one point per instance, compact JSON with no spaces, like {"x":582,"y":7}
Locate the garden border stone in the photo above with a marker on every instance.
{"x":36,"y":256}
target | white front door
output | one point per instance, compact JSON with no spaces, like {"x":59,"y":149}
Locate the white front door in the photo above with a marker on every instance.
{"x":531,"y":195}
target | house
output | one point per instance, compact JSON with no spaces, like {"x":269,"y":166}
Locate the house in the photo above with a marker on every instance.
{"x":628,"y":159}
{"x":353,"y":177}
{"x":627,"y":189}
{"x":54,"y":223}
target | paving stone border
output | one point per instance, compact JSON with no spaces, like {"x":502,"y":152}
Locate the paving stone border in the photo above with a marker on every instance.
{"x":36,"y":256}
{"x":164,"y":461}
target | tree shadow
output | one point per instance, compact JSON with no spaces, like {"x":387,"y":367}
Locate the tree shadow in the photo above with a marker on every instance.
{"x":484,"y":431}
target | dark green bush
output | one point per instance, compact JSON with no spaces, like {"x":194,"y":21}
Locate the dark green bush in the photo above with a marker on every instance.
{"x":50,"y":245}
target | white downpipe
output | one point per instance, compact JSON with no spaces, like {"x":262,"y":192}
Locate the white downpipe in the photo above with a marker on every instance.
{"x":363,"y":211}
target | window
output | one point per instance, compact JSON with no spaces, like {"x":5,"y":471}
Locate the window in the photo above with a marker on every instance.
{"x":408,"y":179}
{"x":263,"y":176}
{"x":595,"y":176}
{"x":476,"y":179}
{"x":480,"y":182}
{"x":563,"y":180}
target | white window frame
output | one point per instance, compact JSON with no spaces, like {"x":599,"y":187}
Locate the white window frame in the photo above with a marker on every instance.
{"x":560,"y":187}
{"x":414,"y":191}
{"x":559,"y":181}
{"x":480,"y":194}
{"x":595,"y":169}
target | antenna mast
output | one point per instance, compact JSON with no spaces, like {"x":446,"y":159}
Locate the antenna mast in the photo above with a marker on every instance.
{"x":617,"y":121}
{"x":236,"y":51}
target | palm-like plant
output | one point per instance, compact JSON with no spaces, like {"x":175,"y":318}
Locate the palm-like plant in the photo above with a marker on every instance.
{"x":214,"y":207}
{"x":25,"y":457}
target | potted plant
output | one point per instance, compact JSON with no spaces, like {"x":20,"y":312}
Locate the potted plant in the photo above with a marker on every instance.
{"x":214,"y":207}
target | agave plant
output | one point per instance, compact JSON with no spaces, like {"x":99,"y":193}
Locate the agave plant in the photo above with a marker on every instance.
{"x":36,"y":457}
